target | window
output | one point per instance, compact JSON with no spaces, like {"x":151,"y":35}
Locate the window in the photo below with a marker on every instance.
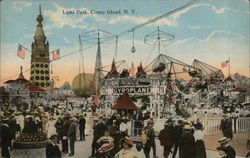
{"x":42,"y":84}
{"x":37,"y":71}
{"x":42,"y":65}
{"x":46,"y":65}
{"x":32,"y":72}
{"x":46,"y":72}
{"x":37,"y":65}
{"x":37,"y":77}
{"x":42,"y":77}
{"x":42,"y":71}
{"x":47,"y":78}
{"x":32,"y":78}
{"x":47,"y":84}
{"x":32,"y":65}
{"x":37,"y":83}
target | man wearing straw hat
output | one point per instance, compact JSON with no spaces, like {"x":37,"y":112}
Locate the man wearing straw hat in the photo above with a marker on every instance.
{"x":187,"y":143}
{"x":225,"y":150}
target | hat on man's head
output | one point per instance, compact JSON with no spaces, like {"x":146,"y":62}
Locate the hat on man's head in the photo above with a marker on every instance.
{"x":187,"y":127}
{"x":223,"y":140}
{"x":128,"y":141}
{"x":53,"y":136}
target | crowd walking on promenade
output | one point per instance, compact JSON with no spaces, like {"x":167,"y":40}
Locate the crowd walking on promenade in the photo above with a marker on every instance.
{"x":113,"y":135}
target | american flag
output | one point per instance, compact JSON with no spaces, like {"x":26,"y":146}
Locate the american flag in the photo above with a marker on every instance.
{"x":95,"y":100}
{"x":224,"y":64}
{"x":21,"y":51}
{"x":172,"y":85}
{"x":56,"y":54}
{"x":173,"y":100}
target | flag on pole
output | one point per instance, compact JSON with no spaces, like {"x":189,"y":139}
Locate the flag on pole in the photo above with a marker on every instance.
{"x":225,"y":64}
{"x":173,"y":100}
{"x":172,"y":85}
{"x":95,"y":100}
{"x":92,"y":86}
{"x":56,"y":54}
{"x":20,"y":51}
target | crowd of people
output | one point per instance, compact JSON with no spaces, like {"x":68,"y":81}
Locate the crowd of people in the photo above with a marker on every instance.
{"x":113,"y":135}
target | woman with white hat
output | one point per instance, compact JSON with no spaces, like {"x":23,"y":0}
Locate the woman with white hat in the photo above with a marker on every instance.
{"x":127,"y":151}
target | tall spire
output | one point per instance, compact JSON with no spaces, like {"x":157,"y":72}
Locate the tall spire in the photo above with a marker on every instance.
{"x":98,"y":63}
{"x":39,"y":33}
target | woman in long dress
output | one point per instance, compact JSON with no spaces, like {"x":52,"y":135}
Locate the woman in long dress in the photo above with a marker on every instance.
{"x":50,"y":127}
{"x":200,"y":151}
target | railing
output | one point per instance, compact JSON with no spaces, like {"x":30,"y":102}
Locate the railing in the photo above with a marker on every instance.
{"x":243,"y":124}
{"x":211,"y":125}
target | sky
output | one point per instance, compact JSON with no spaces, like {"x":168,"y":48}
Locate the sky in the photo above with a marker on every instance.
{"x":211,"y":31}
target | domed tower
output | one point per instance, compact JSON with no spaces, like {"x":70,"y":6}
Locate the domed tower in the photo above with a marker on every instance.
{"x":39,"y":72}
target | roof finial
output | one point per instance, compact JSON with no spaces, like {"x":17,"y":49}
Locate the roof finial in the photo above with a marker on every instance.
{"x":40,"y":12}
{"x":21,"y":73}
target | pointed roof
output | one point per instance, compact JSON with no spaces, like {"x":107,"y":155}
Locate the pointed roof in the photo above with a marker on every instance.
{"x":39,"y":35}
{"x":140,"y":70}
{"x":124,"y":102}
{"x":21,"y":73}
{"x":113,"y":70}
{"x":228,"y":79}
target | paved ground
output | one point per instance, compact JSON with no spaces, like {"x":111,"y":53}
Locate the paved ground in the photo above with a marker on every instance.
{"x":239,"y":142}
{"x":83,"y":150}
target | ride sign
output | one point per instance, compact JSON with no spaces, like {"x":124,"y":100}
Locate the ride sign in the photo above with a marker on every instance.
{"x":136,"y":90}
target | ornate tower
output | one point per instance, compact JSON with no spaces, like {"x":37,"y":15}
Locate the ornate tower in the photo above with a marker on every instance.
{"x":39,"y":72}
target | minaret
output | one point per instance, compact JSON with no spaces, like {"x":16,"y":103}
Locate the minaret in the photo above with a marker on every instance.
{"x":98,"y":64}
{"x":21,"y":73}
{"x":39,"y":72}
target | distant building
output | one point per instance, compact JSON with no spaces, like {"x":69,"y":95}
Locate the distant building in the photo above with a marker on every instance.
{"x":20,"y":91}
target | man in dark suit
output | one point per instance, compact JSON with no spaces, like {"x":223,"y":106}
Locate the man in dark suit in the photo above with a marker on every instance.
{"x":177,"y":132}
{"x":226,"y":127}
{"x":5,"y":138}
{"x":72,"y":135}
{"x":187,"y":143}
{"x":82,"y":122}
{"x":64,"y":134}
{"x":166,"y":138}
{"x":52,"y":150}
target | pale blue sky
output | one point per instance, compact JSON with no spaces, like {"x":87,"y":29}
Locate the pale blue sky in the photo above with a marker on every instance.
{"x":210,"y":31}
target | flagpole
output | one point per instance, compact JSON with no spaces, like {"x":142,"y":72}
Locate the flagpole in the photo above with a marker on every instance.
{"x":229,"y":66}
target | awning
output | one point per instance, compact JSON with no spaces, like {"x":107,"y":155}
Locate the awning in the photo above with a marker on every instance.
{"x":124,"y":102}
